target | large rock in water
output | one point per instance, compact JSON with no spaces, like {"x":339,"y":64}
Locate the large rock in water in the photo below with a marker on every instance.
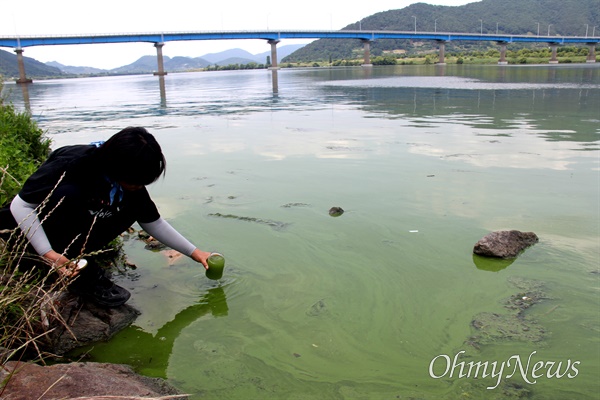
{"x":504,"y":244}
{"x":81,"y":381}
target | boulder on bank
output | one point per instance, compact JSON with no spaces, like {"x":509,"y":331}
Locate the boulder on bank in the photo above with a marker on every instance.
{"x":504,"y":244}
{"x":81,"y":381}
{"x":86,"y":323}
{"x":80,"y":323}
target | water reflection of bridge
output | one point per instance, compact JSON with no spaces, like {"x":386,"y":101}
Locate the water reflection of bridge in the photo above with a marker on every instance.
{"x":18,"y":43}
{"x":163,"y":89}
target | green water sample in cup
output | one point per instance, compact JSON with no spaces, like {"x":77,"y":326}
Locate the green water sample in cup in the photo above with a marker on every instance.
{"x":216,"y":264}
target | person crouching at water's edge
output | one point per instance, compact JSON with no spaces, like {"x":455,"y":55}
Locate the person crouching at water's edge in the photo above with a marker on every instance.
{"x":94,"y":193}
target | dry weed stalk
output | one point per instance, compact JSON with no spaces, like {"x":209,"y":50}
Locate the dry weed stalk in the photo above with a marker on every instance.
{"x":28,"y":306}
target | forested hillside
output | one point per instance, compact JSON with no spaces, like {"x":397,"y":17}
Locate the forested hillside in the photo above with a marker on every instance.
{"x":9,"y":66}
{"x":562,"y":17}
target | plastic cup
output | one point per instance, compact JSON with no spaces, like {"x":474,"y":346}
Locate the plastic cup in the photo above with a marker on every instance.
{"x":216,"y":264}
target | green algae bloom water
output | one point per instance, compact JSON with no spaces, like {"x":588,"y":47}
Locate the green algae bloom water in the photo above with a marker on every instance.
{"x":425,"y":160}
{"x":216,"y":264}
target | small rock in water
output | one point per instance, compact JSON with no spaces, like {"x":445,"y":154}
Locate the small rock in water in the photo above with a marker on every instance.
{"x":317,"y":309}
{"x":504,"y":244}
{"x":336,"y":211}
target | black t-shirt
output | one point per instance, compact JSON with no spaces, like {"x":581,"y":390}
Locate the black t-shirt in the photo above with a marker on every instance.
{"x":82,"y":204}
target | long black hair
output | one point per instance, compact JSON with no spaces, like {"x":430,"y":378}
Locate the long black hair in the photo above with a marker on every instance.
{"x":132,"y":156}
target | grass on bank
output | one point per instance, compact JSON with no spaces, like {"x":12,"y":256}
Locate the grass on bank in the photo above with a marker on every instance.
{"x":565,"y":55}
{"x":26,"y":309}
{"x":434,"y":59}
{"x":28,"y":289}
{"x":407,"y":60}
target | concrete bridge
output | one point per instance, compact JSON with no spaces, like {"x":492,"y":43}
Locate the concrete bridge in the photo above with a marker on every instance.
{"x":18,"y":43}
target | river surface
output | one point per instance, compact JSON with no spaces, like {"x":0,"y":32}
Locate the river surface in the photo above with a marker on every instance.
{"x":378,"y":302}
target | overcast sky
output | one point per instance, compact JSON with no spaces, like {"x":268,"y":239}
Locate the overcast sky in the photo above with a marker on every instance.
{"x":43,"y":17}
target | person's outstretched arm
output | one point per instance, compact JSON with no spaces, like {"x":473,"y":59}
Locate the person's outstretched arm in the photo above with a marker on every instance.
{"x":162,"y":231}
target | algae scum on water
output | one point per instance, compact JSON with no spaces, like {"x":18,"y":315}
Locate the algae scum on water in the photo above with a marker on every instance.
{"x":515,"y":323}
{"x":423,"y":161}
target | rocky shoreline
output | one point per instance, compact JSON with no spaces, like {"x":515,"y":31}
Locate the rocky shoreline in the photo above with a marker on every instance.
{"x":86,"y":323}
{"x":80,"y":323}
{"x":81,"y":381}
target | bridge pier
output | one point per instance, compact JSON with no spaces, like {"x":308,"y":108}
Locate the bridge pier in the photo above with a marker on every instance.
{"x":591,"y":58}
{"x":366,"y":53}
{"x":553,"y":58}
{"x":273,"y":44}
{"x":502,"y":60}
{"x":159,"y":59}
{"x":163,"y":91}
{"x":442,"y":58}
{"x":275,"y":82}
{"x":22,"y":77}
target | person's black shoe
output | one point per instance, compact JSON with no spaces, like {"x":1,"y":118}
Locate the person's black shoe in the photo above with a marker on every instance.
{"x":95,"y":286}
{"x":111,"y":296}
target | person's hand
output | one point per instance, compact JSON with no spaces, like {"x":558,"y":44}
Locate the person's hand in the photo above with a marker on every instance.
{"x":65,"y":267}
{"x":201,"y":257}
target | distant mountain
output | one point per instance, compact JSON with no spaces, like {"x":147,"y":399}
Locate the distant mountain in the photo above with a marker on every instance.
{"x":239,"y":56}
{"x":144,"y":65}
{"x":34,"y":68}
{"x":237,"y":60}
{"x":218,"y":58}
{"x":282,"y":52}
{"x":148,"y":64}
{"x":519,"y":17}
{"x":141,"y":65}
{"x":73,"y":70}
{"x":180,"y":63}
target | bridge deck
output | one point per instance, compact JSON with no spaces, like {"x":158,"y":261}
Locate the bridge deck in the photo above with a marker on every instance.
{"x":27,"y":41}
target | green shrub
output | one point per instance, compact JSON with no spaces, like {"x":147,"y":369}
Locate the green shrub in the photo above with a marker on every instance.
{"x":23,"y":147}
{"x":384,"y":60}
